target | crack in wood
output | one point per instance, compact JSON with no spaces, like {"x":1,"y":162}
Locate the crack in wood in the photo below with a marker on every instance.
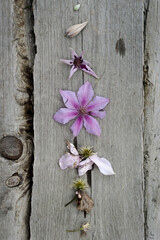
{"x":147,"y":84}
{"x":24,"y":44}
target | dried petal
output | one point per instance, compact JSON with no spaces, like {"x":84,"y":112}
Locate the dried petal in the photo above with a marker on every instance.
{"x":84,"y":202}
{"x":75,"y":29}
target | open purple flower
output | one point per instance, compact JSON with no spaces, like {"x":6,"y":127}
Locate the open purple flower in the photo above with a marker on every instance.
{"x":77,"y":62}
{"x":83,"y":108}
{"x":84,"y":159}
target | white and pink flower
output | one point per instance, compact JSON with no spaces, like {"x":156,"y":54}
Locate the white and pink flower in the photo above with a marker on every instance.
{"x":84,"y":159}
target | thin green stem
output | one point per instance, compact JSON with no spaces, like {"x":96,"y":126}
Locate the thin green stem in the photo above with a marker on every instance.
{"x":80,"y":229}
{"x":70,"y":201}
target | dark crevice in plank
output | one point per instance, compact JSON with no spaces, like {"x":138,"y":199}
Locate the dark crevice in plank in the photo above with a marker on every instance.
{"x":75,"y":142}
{"x":24,"y":43}
{"x":89,"y":178}
{"x":147,"y":85}
{"x":146,"y":11}
{"x":82,"y":51}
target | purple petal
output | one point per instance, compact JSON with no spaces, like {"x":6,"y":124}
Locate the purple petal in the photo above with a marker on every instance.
{"x":100,"y":114}
{"x":69,"y":62}
{"x":69,"y":161}
{"x":87,"y":63}
{"x":73,"y":70}
{"x":64,"y":115}
{"x":69,"y":99}
{"x":88,"y":70}
{"x":85,"y":94}
{"x":77,"y":125}
{"x":84,"y":166}
{"x":98,"y":103}
{"x":82,"y":54}
{"x":73,"y":53}
{"x":103,"y":165}
{"x":91,"y":125}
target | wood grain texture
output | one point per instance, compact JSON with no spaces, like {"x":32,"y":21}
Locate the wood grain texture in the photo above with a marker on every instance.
{"x":16,"y":62}
{"x":152,"y":121}
{"x":118,"y":210}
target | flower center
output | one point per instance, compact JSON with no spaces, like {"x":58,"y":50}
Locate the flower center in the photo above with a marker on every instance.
{"x":82,"y":111}
{"x":86,"y":152}
{"x":77,"y":61}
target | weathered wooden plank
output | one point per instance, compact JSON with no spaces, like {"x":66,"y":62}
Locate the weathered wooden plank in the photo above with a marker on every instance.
{"x":113,"y":42}
{"x":152,"y":119}
{"x":16,"y":62}
{"x":51,"y":186}
{"x":119,"y":201}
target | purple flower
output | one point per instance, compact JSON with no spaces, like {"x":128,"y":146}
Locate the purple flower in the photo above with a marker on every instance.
{"x":83,"y":108}
{"x":77,"y":62}
{"x":75,"y":159}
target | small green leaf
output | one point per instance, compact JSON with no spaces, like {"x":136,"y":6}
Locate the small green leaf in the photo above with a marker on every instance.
{"x":76,"y":8}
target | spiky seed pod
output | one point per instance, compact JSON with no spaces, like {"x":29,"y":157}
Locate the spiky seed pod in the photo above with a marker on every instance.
{"x":86,"y":152}
{"x":79,"y":184}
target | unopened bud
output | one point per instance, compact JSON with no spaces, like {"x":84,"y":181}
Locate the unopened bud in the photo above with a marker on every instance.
{"x":76,"y":8}
{"x":75,"y":29}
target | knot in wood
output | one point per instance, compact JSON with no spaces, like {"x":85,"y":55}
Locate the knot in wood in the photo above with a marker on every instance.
{"x":11,"y":148}
{"x":22,"y":98}
{"x":14,"y":180}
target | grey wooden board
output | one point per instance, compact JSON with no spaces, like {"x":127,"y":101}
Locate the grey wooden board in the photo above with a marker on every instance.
{"x":8,"y":115}
{"x":152,"y":122}
{"x":14,"y":100}
{"x":118,"y":211}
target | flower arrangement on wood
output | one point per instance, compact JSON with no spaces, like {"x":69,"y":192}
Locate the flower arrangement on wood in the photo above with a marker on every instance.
{"x":84,"y":159}
{"x":83,"y":108}
{"x":78,"y":62}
